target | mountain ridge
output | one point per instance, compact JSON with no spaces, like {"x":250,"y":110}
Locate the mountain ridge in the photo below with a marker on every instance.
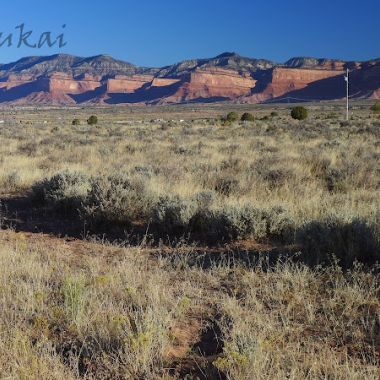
{"x":70,"y":79}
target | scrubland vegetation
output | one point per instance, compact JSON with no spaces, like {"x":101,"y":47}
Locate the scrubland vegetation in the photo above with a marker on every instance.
{"x":243,"y":247}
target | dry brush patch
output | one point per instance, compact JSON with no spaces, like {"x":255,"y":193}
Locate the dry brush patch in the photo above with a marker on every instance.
{"x":167,"y":308}
{"x":272,"y":180}
{"x":126,"y":314}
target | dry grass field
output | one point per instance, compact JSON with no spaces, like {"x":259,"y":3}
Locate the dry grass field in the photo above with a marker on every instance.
{"x":162,"y":243}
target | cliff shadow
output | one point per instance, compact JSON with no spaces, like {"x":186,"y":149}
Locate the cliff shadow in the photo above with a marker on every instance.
{"x":315,"y":243}
{"x":208,"y":100}
{"x":89,"y":95}
{"x":20,"y":214}
{"x":362,"y":83}
{"x":264,"y":78}
{"x":146,"y":93}
{"x":21,"y":91}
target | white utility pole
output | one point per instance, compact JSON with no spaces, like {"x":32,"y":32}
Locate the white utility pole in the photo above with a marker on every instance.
{"x":347,"y":78}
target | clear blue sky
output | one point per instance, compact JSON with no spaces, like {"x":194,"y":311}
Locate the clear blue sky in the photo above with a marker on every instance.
{"x":157,"y":33}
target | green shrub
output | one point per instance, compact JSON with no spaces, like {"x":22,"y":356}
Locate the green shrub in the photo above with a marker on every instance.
{"x":232,"y":116}
{"x":173,"y":214}
{"x":65,"y":191}
{"x":76,"y":122}
{"x":299,"y":113}
{"x":117,"y":200}
{"x":244,"y":222}
{"x":376,"y":106}
{"x":274,"y":114}
{"x":348,"y":240}
{"x":92,"y":120}
{"x":247,"y":117}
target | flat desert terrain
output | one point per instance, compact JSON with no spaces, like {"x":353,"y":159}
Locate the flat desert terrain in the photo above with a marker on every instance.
{"x":169,"y":243}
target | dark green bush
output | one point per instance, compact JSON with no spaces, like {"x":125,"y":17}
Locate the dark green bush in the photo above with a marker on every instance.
{"x":299,"y":113}
{"x":92,"y":120}
{"x":76,"y":122}
{"x":247,"y":117}
{"x":232,"y":116}
{"x":376,"y":107}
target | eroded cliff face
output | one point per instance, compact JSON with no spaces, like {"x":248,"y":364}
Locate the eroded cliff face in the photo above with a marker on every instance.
{"x":127,"y":84}
{"x":212,"y":84}
{"x":163,"y":82}
{"x":66,"y":79}
{"x":16,"y":80}
{"x":65,"y":83}
{"x":285,"y":80}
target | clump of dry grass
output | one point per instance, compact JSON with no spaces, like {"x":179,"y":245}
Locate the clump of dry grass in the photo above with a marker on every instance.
{"x":103,"y":321}
{"x":292,"y":322}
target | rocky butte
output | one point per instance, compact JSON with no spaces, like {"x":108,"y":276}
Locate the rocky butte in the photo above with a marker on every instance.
{"x":66,"y":79}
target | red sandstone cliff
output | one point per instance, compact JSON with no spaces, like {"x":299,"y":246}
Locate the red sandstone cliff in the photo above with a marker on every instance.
{"x":65,"y":79}
{"x":285,"y":80}
{"x":212,"y":84}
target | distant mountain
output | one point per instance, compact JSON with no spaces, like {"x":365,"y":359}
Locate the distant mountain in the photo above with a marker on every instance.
{"x":230,"y":61}
{"x":67,"y":79}
{"x":102,"y":65}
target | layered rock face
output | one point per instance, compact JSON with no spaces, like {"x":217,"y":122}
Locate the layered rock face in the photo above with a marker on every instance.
{"x":212,"y":84}
{"x":127,"y":84}
{"x":64,"y":79}
{"x":286,"y":80}
{"x":65,"y":83}
{"x":163,"y":82}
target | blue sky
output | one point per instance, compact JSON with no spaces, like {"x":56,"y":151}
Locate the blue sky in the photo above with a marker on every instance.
{"x":157,"y":33}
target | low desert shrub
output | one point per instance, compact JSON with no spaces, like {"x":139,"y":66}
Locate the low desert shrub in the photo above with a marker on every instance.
{"x":244,"y":222}
{"x":65,"y":191}
{"x":276,"y":177}
{"x":11,"y":181}
{"x":226,"y":185}
{"x":30,"y":148}
{"x":232,"y":116}
{"x":247,"y":117}
{"x":205,"y":199}
{"x":117,"y":200}
{"x":92,"y":120}
{"x":376,"y":107}
{"x":173,"y":214}
{"x":76,"y":122}
{"x":299,"y":113}
{"x":347,"y":240}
